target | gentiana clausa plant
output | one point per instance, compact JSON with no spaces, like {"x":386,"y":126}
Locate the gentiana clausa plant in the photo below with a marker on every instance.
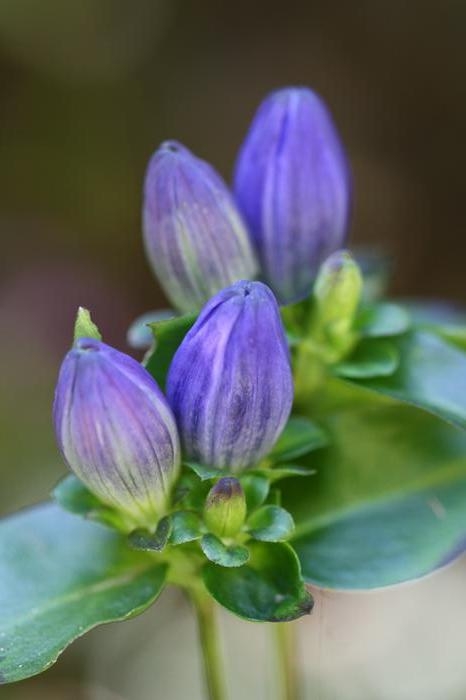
{"x":286,"y":426}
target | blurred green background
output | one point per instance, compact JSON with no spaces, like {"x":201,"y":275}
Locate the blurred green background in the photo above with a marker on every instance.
{"x":88,"y":90}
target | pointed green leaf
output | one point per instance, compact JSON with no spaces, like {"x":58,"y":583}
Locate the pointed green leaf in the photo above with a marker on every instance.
{"x":220,"y":554}
{"x":269,"y":588}
{"x":168,"y":336}
{"x":382,"y":320}
{"x":284,"y":471}
{"x":431,"y":376}
{"x":256,"y":488}
{"x":60,"y":576}
{"x":371,"y":358}
{"x":299,"y":437}
{"x":271,"y":524}
{"x":204,"y":473}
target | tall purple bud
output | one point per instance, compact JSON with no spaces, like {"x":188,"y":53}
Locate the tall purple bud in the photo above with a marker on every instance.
{"x":230,"y":383}
{"x":116,"y":430}
{"x":194,"y":235}
{"x":292,"y":184}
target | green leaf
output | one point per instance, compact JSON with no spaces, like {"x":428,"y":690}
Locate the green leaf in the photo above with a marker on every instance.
{"x":284,"y":471}
{"x":271,"y":524}
{"x":140,"y":335}
{"x":168,"y":336}
{"x":299,"y":437}
{"x":269,"y":588}
{"x":256,"y":488}
{"x":371,"y":358}
{"x":60,"y":576}
{"x":220,"y":554}
{"x":73,"y":496}
{"x":382,"y":320}
{"x":151,"y":541}
{"x":84,"y":326}
{"x":186,"y":527}
{"x":388,"y":502}
{"x":204,"y":473}
{"x":431,"y":376}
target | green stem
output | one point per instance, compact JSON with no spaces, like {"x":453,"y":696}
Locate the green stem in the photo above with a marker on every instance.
{"x":287,"y":666}
{"x":209,"y":636}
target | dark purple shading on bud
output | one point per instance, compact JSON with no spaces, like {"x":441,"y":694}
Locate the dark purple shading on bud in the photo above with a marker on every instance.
{"x":292,"y":184}
{"x":230,"y":383}
{"x":116,"y":430}
{"x":225,"y":507}
{"x":194,"y":235}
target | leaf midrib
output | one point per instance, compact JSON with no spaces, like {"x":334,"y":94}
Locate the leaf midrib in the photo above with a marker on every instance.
{"x":455,"y":472}
{"x":76,"y":595}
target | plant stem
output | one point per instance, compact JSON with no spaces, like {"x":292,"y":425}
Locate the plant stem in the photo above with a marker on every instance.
{"x":210,"y":644}
{"x":287,"y":667}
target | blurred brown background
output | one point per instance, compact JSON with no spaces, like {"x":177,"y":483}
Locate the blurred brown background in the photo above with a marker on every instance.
{"x":89,"y":89}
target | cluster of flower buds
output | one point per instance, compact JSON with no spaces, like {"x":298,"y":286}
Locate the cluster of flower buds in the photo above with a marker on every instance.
{"x":229,"y":387}
{"x":292,"y":191}
{"x":229,"y":394}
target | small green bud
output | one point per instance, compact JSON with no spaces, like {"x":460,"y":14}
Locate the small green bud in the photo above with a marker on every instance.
{"x":337,"y":293}
{"x":84,"y":326}
{"x":225,"y":507}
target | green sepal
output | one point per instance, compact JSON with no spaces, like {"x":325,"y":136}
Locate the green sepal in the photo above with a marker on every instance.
{"x":84,"y":326}
{"x":187,"y":526}
{"x":151,"y":541}
{"x":204,"y":473}
{"x":299,"y":437}
{"x":72,"y":495}
{"x":256,"y":487}
{"x":269,"y":588}
{"x":60,"y":576}
{"x":221,"y":555}
{"x":285,"y":471}
{"x":270,"y":524}
{"x":168,"y":336}
{"x":371,"y":358}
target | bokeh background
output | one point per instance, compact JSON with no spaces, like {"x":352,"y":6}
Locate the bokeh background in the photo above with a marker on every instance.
{"x":88,"y":89}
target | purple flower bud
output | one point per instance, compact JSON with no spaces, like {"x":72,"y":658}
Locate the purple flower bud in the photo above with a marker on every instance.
{"x":230,"y":383}
{"x":116,"y":430}
{"x":195,"y":238}
{"x":292,"y":184}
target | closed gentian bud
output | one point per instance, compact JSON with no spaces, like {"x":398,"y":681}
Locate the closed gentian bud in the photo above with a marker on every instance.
{"x":230,"y":384}
{"x":225,"y":507}
{"x":337,"y":293}
{"x":116,"y":431}
{"x":292,"y":185}
{"x":195,"y":237}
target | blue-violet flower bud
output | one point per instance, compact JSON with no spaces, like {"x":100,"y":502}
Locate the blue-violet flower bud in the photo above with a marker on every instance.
{"x":292,"y":184}
{"x":230,"y":384}
{"x":194,"y":235}
{"x":116,"y":430}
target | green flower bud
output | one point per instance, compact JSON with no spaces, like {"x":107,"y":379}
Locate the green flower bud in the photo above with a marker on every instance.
{"x":225,"y":507}
{"x":337,"y":293}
